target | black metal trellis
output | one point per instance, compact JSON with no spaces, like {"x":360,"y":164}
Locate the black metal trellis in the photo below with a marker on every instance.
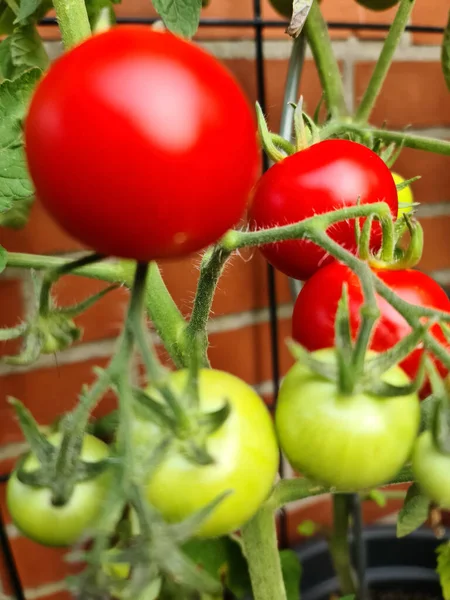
{"x":258,"y":24}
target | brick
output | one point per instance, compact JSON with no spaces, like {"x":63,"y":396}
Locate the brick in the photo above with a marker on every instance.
{"x":11,"y":312}
{"x":105,"y":318}
{"x":436,"y":253}
{"x":41,"y":235}
{"x":246,"y":352}
{"x":434,"y":169}
{"x":63,"y":595}
{"x":423,"y":109}
{"x":47,"y":393}
{"x":433,"y":12}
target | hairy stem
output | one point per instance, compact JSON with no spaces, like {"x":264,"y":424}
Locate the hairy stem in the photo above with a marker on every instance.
{"x":384,"y":61}
{"x":316,"y":31}
{"x":261,"y":550}
{"x":73,"y":21}
{"x":162,"y":310}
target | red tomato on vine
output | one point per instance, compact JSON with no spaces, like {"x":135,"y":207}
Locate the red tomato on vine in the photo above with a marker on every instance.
{"x":141,"y":145}
{"x":316,"y":306}
{"x":327,"y":176}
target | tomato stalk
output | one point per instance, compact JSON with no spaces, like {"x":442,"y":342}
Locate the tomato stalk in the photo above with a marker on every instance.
{"x":211,"y":268}
{"x":330,"y":77}
{"x":165,"y":315}
{"x":384,"y":61}
{"x":409,"y":140}
{"x":339,"y":545}
{"x":261,"y":550}
{"x":73,"y":21}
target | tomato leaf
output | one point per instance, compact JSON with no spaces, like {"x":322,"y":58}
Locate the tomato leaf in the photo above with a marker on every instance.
{"x":445,"y":54}
{"x":15,"y":182}
{"x":443,"y":568}
{"x":414,"y":511}
{"x":32,"y":8}
{"x":180,"y":16}
{"x":27,"y":49}
{"x":3,"y":259}
{"x":292,"y":573}
{"x":7,"y":17}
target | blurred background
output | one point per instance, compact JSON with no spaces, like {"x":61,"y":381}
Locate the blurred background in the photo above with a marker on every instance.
{"x":414,"y":95}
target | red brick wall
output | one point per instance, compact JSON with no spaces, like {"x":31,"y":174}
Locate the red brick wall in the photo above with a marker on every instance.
{"x":414,"y":95}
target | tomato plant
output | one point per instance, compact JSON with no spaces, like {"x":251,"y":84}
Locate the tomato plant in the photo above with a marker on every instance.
{"x":315,"y":310}
{"x":431,"y":470}
{"x":324,"y":177}
{"x":244,"y":450}
{"x":347,"y":442}
{"x":140,"y":125}
{"x":33,"y":512}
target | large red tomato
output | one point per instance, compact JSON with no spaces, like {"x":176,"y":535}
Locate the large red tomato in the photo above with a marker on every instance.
{"x":142,"y":145}
{"x":316,"y":306}
{"x":326,"y":176}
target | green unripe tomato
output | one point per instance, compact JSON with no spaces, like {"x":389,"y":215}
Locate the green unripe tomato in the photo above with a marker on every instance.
{"x":244,"y":450}
{"x":378,"y":4}
{"x":431,"y":470}
{"x":32,"y":511}
{"x":347,"y":442}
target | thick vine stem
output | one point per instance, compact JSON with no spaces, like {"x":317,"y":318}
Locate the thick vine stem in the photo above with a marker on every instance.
{"x":330,"y":77}
{"x":73,"y":21}
{"x":384,"y":61}
{"x":409,"y":140}
{"x":162,"y":310}
{"x":210,"y":271}
{"x":339,"y":544}
{"x":261,"y":550}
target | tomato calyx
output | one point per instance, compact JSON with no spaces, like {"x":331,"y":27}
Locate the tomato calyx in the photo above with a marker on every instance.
{"x":60,"y":466}
{"x":49,"y":329}
{"x":392,"y":255}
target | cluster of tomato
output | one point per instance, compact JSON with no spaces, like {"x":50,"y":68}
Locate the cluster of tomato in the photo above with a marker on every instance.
{"x":142,"y":146}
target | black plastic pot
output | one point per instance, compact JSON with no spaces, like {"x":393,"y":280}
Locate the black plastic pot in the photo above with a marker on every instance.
{"x":404,"y":567}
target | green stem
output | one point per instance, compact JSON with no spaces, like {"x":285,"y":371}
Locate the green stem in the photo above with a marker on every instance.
{"x":73,"y":21}
{"x":162,"y":310}
{"x":261,"y":550}
{"x":415,"y":141}
{"x":384,"y":61}
{"x":316,"y":31}
{"x":210,"y":270}
{"x":243,"y":239}
{"x":339,"y":545}
{"x":52,"y":276}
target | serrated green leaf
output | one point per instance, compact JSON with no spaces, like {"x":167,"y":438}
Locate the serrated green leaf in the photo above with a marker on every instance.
{"x":15,"y":182}
{"x":414,"y":511}
{"x":3,"y":259}
{"x":179,"y":16}
{"x":445,"y":54}
{"x":7,"y":17}
{"x":443,"y":568}
{"x":27,"y":8}
{"x":292,"y":573}
{"x":7,"y":68}
{"x":27,"y":49}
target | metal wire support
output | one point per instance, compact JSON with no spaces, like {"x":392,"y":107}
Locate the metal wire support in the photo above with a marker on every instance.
{"x":10,"y":563}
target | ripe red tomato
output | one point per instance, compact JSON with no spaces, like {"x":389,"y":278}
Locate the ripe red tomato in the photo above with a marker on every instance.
{"x":326,"y":176}
{"x":316,"y":305}
{"x":142,"y":145}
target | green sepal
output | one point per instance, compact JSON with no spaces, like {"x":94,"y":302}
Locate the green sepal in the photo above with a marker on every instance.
{"x":387,"y":390}
{"x":77,"y":309}
{"x":155,"y":411}
{"x":197,"y":453}
{"x":188,"y":528}
{"x":40,"y":446}
{"x":302,"y":355}
{"x":211,"y":422}
{"x":404,"y":184}
{"x":266,"y":139}
{"x":12,"y":333}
